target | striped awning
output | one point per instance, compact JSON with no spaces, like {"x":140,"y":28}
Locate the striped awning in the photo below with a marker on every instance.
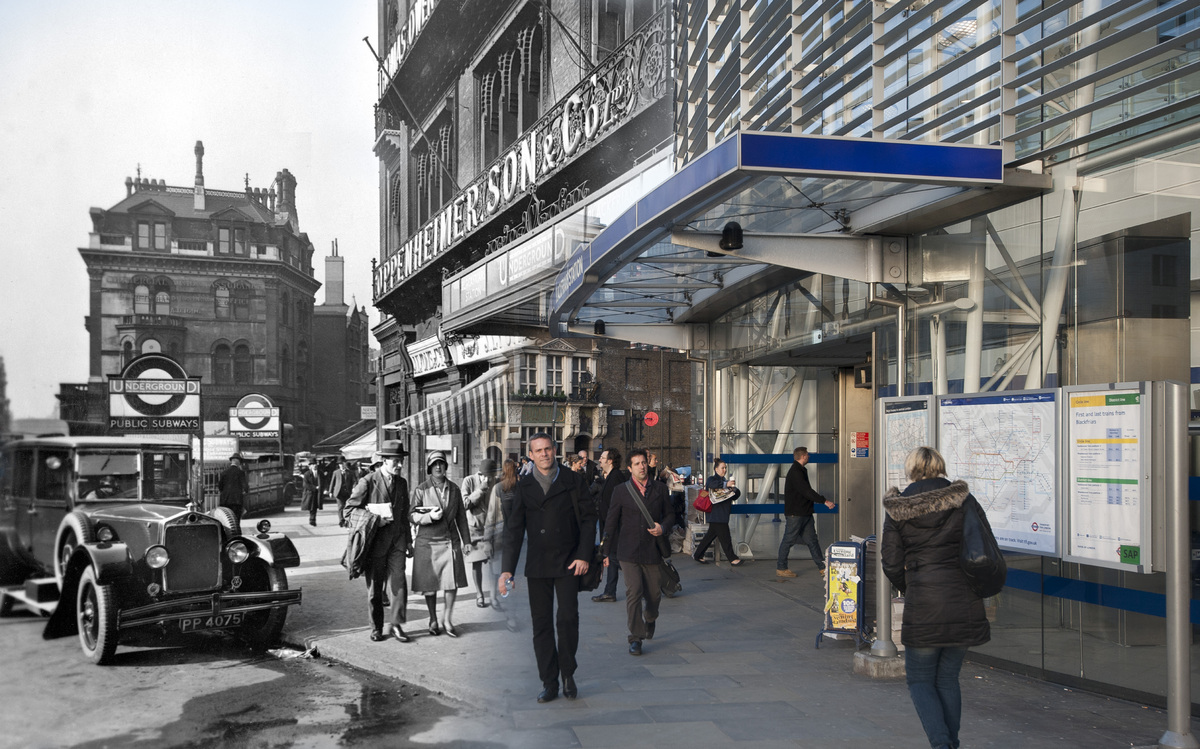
{"x":476,"y":406}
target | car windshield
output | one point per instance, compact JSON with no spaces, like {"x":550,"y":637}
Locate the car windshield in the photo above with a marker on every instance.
{"x":148,"y":476}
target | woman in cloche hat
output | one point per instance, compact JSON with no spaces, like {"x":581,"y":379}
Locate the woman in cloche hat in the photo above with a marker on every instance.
{"x":442,"y":532}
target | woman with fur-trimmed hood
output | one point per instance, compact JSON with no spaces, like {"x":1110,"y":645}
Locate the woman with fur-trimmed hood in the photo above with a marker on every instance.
{"x":922,"y":539}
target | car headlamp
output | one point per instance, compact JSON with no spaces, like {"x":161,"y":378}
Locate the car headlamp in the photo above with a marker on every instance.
{"x":263,"y":526}
{"x":157,"y":557}
{"x":237,"y":552}
{"x":104,"y":534}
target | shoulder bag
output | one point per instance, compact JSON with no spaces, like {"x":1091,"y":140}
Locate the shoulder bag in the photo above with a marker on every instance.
{"x":589,"y":580}
{"x":980,"y":558}
{"x":664,"y":543}
{"x":703,"y":503}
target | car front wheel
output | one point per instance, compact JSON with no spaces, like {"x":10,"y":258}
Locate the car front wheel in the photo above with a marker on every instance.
{"x":263,"y":629}
{"x":96,"y":615}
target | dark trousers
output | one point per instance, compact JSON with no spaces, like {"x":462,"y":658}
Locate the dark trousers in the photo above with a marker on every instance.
{"x":385,"y":567}
{"x":610,"y":580}
{"x":716,"y":532}
{"x":643,"y":591}
{"x":342,"y":511}
{"x":800,"y":529}
{"x":237,"y":511}
{"x":553,"y":659}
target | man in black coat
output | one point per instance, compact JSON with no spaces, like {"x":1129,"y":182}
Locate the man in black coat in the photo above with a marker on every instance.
{"x":798,"y":501}
{"x":610,"y":465}
{"x":553,"y":508}
{"x":384,"y":492}
{"x":637,"y":545}
{"x":234,"y":485}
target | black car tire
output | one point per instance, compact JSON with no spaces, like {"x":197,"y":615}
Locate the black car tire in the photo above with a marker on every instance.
{"x":263,"y":629}
{"x":96,"y":615}
{"x":228,"y":521}
{"x":74,"y":530}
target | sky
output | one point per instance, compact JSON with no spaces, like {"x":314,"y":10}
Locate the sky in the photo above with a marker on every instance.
{"x":89,"y":91}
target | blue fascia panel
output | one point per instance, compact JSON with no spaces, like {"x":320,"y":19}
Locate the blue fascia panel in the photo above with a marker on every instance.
{"x":868,"y":158}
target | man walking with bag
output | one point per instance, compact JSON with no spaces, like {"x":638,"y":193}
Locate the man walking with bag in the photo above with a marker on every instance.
{"x":637,"y":519}
{"x":552,"y":506}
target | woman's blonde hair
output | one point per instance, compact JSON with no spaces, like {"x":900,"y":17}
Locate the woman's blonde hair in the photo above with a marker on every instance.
{"x":924,"y":463}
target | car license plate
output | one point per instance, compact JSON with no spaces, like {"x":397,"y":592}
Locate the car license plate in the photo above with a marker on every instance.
{"x":219,"y":621}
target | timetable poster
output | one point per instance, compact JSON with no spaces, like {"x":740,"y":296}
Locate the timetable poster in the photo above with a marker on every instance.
{"x":1106,"y":503}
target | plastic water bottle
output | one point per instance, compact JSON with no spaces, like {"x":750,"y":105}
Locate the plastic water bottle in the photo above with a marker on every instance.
{"x":508,"y":586}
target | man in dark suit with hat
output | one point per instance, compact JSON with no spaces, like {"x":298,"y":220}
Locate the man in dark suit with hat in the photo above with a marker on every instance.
{"x":384,"y":493}
{"x":234,"y":485}
{"x":552,"y":506}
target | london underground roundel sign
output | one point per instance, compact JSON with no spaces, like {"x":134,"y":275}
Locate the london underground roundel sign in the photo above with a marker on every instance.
{"x":254,"y":416}
{"x":153,"y":393}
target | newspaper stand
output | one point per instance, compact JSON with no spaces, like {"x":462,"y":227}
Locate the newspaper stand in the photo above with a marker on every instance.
{"x":843,"y":592}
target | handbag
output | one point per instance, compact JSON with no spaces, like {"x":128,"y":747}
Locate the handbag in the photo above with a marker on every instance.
{"x":981,"y":560}
{"x":664,"y":543}
{"x":669,"y":579}
{"x":703,"y":503}
{"x":589,"y":580}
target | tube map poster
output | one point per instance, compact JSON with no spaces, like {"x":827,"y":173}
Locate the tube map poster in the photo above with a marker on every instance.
{"x":1003,"y":446}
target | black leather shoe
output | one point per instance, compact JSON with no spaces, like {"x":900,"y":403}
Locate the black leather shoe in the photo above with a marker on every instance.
{"x":650,"y":630}
{"x":481,"y":602}
{"x":398,"y":633}
{"x":635,"y":648}
{"x":699,"y":560}
{"x":570,"y":691}
{"x":433,"y":628}
{"x":378,"y":636}
{"x":549,"y":694}
{"x":604,"y":598}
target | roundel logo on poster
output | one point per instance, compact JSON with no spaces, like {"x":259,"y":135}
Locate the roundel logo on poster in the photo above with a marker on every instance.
{"x":254,"y":416}
{"x":153,"y":393}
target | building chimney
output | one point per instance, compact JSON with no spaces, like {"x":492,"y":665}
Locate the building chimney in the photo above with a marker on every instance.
{"x":335,"y":275}
{"x":285,"y":206}
{"x":198,"y":202}
{"x":128,"y":186}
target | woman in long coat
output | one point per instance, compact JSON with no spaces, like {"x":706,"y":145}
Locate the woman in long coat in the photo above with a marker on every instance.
{"x":437,"y":511}
{"x":922,"y":540}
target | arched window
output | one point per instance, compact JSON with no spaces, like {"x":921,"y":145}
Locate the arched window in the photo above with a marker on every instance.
{"x":162,"y":296}
{"x":151,"y":346}
{"x":241,"y":364}
{"x":222,"y":364}
{"x":285,"y":307}
{"x":127,"y":352}
{"x":241,"y":301}
{"x":285,"y":367}
{"x":141,"y":299}
{"x":221,"y":292}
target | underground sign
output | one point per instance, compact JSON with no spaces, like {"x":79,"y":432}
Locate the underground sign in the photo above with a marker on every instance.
{"x":153,"y":393}
{"x":254,"y":416}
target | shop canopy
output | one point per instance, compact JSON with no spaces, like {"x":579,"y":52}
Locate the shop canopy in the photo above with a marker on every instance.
{"x":841,"y":206}
{"x":362,"y":448}
{"x":477,"y":405}
{"x":348,"y":435}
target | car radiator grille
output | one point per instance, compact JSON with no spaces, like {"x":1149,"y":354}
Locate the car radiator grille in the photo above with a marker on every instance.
{"x":195,"y":557}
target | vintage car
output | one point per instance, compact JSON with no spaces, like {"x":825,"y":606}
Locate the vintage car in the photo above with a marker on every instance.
{"x":113,"y":521}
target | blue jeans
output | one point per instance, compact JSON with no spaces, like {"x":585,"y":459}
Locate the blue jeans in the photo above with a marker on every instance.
{"x":932,"y":675}
{"x":800,"y":529}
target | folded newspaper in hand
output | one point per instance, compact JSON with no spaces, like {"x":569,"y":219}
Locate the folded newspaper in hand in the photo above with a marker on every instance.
{"x":719,"y":495}
{"x":382,"y":509}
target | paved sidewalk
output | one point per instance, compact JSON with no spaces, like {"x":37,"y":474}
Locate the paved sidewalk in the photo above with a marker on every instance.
{"x":732,"y":664}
